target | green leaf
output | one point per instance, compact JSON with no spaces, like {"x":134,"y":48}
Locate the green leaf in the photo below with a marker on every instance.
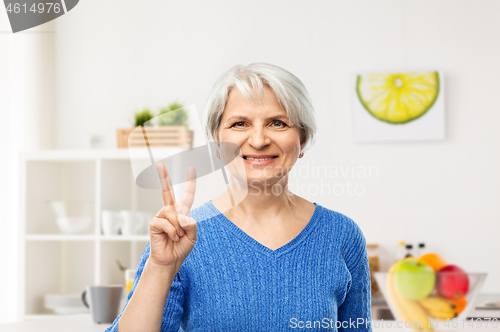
{"x":120,"y":266}
{"x":142,"y":117}
{"x":173,"y":115}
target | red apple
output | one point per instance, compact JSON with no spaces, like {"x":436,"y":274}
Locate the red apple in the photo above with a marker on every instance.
{"x":452,"y":282}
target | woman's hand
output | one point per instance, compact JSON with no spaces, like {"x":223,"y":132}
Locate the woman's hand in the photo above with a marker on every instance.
{"x":172,"y":231}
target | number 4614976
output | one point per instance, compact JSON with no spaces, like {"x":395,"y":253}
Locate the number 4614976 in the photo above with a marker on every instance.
{"x":35,"y":8}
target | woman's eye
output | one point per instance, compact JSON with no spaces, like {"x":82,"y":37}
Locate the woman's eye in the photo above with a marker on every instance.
{"x":237,"y":124}
{"x":278,"y":123}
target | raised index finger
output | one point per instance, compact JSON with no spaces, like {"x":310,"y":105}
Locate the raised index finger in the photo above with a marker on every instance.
{"x":167,"y":191}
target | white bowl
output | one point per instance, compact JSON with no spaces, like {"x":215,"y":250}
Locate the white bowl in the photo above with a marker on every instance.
{"x":65,"y":304}
{"x":68,"y":310}
{"x":72,"y":208}
{"x":73,"y":217}
{"x":73,"y":225}
{"x":63,"y":299}
{"x":413,"y":314}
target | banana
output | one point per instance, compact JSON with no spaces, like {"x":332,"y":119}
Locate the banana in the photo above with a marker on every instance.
{"x":400,"y":313}
{"x":406,"y":309}
{"x":443,"y":314}
{"x":439,"y":307}
{"x":415,"y":311}
{"x":437,"y":303}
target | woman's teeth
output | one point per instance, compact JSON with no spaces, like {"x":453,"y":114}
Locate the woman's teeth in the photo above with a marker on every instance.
{"x":259,"y":159}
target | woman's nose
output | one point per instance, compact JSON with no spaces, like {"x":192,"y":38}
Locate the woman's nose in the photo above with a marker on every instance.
{"x":258,"y":139}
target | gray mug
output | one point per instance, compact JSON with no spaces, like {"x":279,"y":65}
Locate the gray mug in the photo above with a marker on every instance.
{"x":104,"y":302}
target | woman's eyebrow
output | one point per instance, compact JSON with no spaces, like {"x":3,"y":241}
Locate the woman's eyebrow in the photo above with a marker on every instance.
{"x":237,"y":117}
{"x":240,"y":117}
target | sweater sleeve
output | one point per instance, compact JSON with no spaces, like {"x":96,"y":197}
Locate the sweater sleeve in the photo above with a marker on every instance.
{"x":354,"y":314}
{"x":173,"y":310}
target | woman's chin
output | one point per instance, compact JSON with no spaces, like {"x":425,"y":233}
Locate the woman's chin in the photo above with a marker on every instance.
{"x":261,"y":183}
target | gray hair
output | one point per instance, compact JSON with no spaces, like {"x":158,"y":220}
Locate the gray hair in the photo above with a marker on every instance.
{"x":289,"y":90}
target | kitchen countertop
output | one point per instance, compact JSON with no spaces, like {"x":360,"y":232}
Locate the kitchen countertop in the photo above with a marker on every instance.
{"x":84,"y":323}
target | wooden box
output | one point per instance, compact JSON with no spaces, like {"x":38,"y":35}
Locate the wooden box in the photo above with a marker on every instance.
{"x":158,"y":137}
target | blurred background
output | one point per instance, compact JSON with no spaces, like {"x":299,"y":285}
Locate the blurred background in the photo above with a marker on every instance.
{"x":68,"y":85}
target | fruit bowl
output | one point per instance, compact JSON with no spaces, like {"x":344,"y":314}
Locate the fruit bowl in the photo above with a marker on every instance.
{"x":432,"y":298}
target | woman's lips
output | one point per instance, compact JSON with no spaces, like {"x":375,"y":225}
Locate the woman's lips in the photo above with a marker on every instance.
{"x":266,"y":160}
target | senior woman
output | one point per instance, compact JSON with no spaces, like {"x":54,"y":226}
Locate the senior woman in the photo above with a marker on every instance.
{"x":272,"y":262}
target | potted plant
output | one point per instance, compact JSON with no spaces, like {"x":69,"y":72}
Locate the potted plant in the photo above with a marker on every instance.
{"x":142,"y":117}
{"x":168,"y":129}
{"x":172,"y":126}
{"x":167,"y":116}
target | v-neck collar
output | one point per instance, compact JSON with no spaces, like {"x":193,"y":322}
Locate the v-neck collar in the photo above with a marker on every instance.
{"x":260,"y":247}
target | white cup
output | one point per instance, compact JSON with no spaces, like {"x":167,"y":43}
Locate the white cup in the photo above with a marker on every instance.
{"x":132,"y":222}
{"x":111,"y":221}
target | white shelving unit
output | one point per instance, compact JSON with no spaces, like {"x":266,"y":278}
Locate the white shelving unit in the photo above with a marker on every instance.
{"x":58,"y":263}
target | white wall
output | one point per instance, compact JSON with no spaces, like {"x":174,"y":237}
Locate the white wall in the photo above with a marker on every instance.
{"x":6,"y":228}
{"x":115,"y":59}
{"x":27,"y":113}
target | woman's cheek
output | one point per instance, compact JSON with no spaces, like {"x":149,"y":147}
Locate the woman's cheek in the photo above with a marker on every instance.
{"x":237,"y":138}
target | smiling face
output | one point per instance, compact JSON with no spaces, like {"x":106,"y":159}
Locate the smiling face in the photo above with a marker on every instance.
{"x":269,"y":143}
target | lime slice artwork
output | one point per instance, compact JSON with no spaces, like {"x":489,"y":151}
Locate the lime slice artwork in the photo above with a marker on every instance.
{"x":398,"y":98}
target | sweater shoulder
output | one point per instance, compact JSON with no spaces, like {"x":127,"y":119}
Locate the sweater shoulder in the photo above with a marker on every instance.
{"x":345,"y":223}
{"x":353,"y":241}
{"x":204,"y":212}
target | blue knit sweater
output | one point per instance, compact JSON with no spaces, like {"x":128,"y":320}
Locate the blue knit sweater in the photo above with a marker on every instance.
{"x":319,"y":281}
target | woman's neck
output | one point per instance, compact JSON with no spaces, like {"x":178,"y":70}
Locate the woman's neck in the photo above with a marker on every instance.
{"x":258,"y":203}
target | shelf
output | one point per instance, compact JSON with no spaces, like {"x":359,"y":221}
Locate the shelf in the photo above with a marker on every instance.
{"x":56,"y":267}
{"x":124,"y":238}
{"x":54,"y":262}
{"x":59,"y":237}
{"x":40,"y":316}
{"x":65,"y":237}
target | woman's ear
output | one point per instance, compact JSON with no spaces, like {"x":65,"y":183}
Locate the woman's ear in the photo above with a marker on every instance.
{"x":217,"y":150}
{"x":303,"y":142}
{"x":217,"y":136}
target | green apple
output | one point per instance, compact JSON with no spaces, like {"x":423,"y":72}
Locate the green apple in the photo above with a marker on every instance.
{"x":414,"y":280}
